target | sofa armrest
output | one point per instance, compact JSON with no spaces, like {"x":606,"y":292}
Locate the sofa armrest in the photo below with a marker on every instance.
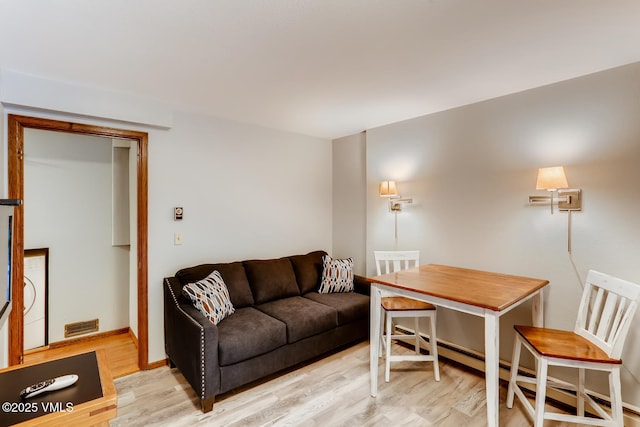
{"x":361,"y":285}
{"x":191,"y":342}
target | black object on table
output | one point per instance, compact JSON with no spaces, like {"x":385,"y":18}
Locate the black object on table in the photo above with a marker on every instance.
{"x":14,"y":410}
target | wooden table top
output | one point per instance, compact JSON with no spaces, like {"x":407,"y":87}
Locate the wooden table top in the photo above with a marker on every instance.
{"x":493,"y":291}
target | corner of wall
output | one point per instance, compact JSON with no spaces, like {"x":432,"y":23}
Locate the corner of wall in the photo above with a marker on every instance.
{"x":349,"y":199}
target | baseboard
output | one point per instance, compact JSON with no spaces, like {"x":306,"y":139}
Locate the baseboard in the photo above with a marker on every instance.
{"x":158,"y":364}
{"x":133,"y":336}
{"x":475,"y":360}
{"x":88,"y":338}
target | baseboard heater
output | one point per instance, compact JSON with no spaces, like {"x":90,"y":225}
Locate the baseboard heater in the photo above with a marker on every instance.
{"x":80,"y":328}
{"x":475,"y":360}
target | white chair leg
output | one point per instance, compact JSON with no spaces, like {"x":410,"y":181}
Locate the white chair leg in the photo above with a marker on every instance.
{"x":616,"y":396}
{"x":580,"y":393}
{"x":387,"y":362}
{"x":383,"y":314}
{"x":515,"y":365}
{"x":416,"y":328}
{"x":433,"y":347}
{"x":541,"y":392}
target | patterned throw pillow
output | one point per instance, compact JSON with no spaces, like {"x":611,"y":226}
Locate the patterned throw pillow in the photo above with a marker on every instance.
{"x":337,"y":275}
{"x":211,"y":297}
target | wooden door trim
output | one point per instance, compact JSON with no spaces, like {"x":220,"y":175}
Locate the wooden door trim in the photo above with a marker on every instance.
{"x":15,"y":163}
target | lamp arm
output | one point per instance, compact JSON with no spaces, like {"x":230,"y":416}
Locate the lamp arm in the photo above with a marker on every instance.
{"x":395,"y":203}
{"x":543,"y":200}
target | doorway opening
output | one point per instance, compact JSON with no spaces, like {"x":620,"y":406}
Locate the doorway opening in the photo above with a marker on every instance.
{"x":15,"y":161}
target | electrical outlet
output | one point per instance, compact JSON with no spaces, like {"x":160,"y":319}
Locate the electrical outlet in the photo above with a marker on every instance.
{"x":177,"y":238}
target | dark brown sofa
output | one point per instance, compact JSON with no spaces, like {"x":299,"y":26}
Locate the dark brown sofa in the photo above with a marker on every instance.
{"x":280,"y":320}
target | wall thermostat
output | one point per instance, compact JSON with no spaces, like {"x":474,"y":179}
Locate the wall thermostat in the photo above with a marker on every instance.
{"x":177,"y":213}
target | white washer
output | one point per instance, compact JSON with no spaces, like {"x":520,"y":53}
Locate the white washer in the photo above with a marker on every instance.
{"x":34,"y":302}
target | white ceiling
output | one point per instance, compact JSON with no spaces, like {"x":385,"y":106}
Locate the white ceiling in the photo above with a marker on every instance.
{"x":326,"y":68}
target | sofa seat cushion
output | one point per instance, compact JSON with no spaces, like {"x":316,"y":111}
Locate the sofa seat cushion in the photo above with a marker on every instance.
{"x":303,"y":317}
{"x":351,"y":306}
{"x":248,"y":333}
{"x":271,"y":279}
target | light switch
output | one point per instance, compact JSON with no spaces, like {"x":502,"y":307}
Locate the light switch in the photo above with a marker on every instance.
{"x":177,"y":238}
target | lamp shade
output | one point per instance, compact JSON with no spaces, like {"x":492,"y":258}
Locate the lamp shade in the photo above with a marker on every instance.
{"x":551,"y":178}
{"x":388,"y":189}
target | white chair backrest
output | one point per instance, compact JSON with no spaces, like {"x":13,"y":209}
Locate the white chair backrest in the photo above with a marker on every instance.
{"x":395,"y":260}
{"x":606,"y":311}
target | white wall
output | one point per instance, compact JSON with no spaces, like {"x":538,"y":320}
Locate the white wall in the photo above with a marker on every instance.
{"x":3,"y":152}
{"x":470,"y":171}
{"x":349,"y":200}
{"x":67,"y":209}
{"x":246,"y":191}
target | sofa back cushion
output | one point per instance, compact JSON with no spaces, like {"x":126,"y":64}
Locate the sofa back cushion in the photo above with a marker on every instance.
{"x":271,"y":279}
{"x":308,"y":270}
{"x":233,"y":275}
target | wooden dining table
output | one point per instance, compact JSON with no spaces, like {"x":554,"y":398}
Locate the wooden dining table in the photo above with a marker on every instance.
{"x":480,"y":293}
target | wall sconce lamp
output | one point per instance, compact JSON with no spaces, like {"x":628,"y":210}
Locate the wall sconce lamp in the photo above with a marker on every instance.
{"x":388,"y":189}
{"x":554,"y":180}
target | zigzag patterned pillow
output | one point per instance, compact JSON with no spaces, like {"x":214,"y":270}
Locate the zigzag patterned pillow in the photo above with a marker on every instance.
{"x":211,"y":297}
{"x":337,"y":275}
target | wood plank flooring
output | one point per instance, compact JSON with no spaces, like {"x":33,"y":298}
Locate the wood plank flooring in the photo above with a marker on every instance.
{"x":333,"y":391}
{"x":122,"y":353}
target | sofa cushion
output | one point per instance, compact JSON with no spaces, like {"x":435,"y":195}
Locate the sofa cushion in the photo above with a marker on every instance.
{"x":248,"y":333}
{"x":271,"y":279}
{"x":303,"y":317}
{"x":337,"y":275}
{"x":210,"y":297}
{"x":233,"y":275}
{"x":308,"y":270}
{"x":351,"y":306}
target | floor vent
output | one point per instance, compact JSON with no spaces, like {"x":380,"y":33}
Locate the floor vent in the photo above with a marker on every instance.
{"x":79,"y":328}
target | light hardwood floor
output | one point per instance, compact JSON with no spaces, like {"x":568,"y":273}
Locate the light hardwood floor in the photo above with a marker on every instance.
{"x":122,"y":353}
{"x":333,"y":391}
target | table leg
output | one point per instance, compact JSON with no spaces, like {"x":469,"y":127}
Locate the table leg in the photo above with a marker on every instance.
{"x":374,"y":338}
{"x":492,"y":360}
{"x":537,"y":312}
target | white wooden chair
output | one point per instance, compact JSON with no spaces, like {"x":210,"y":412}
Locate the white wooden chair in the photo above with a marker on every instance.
{"x":606,"y":310}
{"x":393,"y":306}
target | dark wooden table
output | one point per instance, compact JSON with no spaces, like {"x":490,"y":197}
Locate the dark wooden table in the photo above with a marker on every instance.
{"x":91,"y":400}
